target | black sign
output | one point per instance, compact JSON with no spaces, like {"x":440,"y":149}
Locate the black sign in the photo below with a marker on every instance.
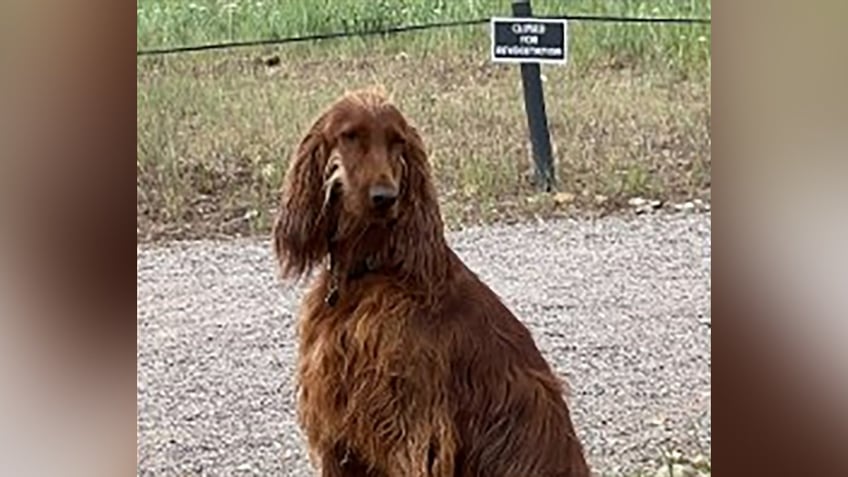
{"x":530,"y":40}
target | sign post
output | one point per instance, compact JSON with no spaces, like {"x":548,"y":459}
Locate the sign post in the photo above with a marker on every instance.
{"x":531,"y":41}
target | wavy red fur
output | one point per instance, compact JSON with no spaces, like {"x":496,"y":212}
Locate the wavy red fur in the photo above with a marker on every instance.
{"x":417,"y":369}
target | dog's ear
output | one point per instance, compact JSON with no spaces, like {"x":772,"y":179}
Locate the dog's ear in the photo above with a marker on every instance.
{"x":300,"y":235}
{"x":420,"y":228}
{"x":418,"y":188}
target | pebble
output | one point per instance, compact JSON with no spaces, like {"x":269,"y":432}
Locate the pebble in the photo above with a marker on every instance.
{"x":615,"y":304}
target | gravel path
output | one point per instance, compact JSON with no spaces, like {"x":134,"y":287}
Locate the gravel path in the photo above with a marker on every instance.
{"x":621,"y":307}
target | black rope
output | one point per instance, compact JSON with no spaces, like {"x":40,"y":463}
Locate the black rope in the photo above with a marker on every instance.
{"x":613,"y":19}
{"x":299,"y":39}
{"x":401,"y":29}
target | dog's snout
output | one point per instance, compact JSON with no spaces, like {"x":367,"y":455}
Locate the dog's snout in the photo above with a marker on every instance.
{"x":382,"y":197}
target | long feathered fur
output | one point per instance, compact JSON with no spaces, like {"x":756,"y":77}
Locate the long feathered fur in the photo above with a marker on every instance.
{"x":418,"y":369}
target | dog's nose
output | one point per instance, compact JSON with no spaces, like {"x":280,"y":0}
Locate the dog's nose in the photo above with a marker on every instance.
{"x":382,"y":197}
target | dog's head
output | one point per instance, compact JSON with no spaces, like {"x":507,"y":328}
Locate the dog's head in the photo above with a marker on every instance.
{"x":368,"y":141}
{"x":360,"y":167}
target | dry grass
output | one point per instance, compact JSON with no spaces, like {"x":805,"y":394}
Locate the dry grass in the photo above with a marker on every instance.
{"x":215,"y":132}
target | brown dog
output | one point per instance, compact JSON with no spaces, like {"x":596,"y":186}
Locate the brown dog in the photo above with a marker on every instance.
{"x":409,"y":364}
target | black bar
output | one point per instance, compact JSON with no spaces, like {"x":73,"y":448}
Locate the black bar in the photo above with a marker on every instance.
{"x":537,"y":118}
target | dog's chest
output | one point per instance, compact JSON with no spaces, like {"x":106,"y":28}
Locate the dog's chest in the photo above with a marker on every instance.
{"x":357,"y":371}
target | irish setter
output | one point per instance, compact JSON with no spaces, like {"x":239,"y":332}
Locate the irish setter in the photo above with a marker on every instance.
{"x":408,"y":364}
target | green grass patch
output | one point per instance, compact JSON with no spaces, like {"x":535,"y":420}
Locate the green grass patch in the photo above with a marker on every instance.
{"x":629,"y":115}
{"x":684,"y":48}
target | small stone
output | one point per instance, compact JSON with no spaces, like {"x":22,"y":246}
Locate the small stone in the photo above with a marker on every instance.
{"x":637,"y":202}
{"x":684,"y":207}
{"x":600,"y":199}
{"x":656,"y":421}
{"x":700,"y":461}
{"x":562,"y":198}
{"x":655,"y":204}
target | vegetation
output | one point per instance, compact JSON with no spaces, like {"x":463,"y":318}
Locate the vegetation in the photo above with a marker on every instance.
{"x":163,"y":23}
{"x":629,"y":114}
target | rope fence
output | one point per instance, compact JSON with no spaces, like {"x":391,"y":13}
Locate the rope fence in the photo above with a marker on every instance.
{"x":408,"y":28}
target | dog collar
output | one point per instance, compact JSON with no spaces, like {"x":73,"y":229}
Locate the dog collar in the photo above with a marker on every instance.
{"x":359,"y":269}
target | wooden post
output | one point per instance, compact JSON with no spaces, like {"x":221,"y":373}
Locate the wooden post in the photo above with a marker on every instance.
{"x":537,"y":119}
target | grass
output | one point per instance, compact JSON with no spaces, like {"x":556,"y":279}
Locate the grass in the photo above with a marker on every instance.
{"x":629,"y":115}
{"x":163,"y":23}
{"x":671,"y":464}
{"x":675,"y":464}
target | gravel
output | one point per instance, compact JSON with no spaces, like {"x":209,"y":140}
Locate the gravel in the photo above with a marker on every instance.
{"x":619,"y":305}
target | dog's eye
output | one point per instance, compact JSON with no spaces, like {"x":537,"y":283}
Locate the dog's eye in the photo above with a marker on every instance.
{"x":350,"y":135}
{"x":396,"y":140}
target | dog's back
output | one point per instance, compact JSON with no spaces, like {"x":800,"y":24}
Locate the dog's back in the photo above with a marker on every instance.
{"x":510,"y":412}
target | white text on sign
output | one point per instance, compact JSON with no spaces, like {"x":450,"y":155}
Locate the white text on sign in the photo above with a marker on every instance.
{"x":532,"y":28}
{"x":529,"y":40}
